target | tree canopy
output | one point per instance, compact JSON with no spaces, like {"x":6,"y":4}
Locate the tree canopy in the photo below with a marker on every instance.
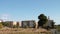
{"x":42,"y":20}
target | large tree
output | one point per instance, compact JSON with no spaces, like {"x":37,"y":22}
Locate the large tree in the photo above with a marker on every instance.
{"x":42,"y":20}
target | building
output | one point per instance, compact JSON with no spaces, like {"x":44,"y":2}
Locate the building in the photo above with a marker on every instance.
{"x":1,"y":20}
{"x":50,"y":23}
{"x":12,"y":23}
{"x":28,"y":24}
{"x":20,"y":24}
{"x":8,"y":23}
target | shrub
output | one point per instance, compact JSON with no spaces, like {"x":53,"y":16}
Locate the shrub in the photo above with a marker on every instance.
{"x":1,"y":25}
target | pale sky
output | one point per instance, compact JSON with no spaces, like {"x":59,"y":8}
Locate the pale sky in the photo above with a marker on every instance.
{"x":18,"y":10}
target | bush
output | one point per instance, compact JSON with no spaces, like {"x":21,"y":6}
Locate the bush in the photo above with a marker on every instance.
{"x":1,"y":25}
{"x":15,"y":26}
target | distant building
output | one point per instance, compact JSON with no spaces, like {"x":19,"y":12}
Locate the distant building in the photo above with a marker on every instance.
{"x":1,"y":20}
{"x":28,"y":23}
{"x":20,"y":24}
{"x":49,"y":23}
{"x":12,"y":23}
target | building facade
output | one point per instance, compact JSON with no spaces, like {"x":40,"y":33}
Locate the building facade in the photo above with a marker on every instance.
{"x":28,"y":24}
{"x":12,"y":23}
{"x":50,"y":23}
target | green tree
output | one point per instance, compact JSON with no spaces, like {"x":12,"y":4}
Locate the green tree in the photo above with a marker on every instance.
{"x":42,"y":20}
{"x":5,"y":23}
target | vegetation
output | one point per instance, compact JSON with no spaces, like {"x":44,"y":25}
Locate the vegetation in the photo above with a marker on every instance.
{"x":16,"y":26}
{"x":1,"y":25}
{"x":57,"y":27}
{"x":42,"y":20}
{"x":22,"y":31}
{"x":5,"y":23}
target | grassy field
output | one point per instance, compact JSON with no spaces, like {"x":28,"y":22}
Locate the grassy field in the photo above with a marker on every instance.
{"x":16,"y":32}
{"x":23,"y":31}
{"x":57,"y":27}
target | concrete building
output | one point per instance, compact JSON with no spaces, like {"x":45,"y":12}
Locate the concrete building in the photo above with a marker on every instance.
{"x":28,"y":23}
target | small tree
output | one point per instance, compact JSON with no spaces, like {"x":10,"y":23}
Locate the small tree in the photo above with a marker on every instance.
{"x":17,"y":24}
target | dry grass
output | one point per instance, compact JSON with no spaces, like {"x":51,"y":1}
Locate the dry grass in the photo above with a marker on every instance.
{"x":22,"y":31}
